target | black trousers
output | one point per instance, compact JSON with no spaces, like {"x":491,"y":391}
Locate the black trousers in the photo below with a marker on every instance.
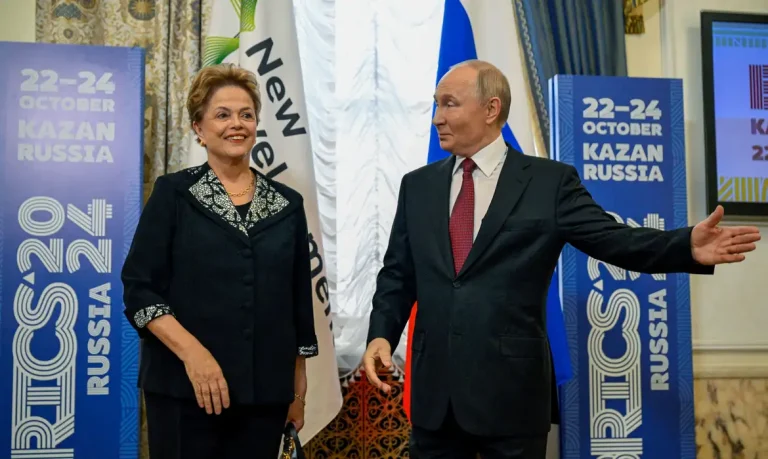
{"x":179,"y":429}
{"x":452,"y":442}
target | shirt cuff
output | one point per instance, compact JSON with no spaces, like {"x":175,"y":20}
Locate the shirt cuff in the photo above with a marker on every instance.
{"x":148,"y":314}
{"x":308,"y":351}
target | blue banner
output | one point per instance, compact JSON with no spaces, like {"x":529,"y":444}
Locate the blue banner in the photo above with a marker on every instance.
{"x":629,"y":334}
{"x":71,"y":129}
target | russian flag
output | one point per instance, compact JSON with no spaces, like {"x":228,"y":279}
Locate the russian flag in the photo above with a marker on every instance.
{"x":486,"y":30}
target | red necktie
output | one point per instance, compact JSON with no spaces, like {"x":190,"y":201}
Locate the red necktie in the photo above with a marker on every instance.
{"x":462,"y":223}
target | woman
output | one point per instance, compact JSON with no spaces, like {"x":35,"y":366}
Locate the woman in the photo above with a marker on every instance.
{"x":217,"y":284}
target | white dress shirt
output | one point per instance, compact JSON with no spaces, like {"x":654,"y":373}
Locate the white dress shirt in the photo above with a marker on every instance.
{"x":485,"y":177}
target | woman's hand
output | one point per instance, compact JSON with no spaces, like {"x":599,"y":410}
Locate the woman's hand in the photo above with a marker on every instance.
{"x":296,"y":414}
{"x":296,"y":410}
{"x":207,"y":379}
{"x":202,"y":369}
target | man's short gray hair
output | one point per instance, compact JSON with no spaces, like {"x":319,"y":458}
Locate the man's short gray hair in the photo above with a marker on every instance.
{"x":491,"y":83}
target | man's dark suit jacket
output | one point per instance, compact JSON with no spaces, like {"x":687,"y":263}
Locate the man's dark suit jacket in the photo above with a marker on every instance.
{"x":480,"y":337}
{"x":242,"y":287}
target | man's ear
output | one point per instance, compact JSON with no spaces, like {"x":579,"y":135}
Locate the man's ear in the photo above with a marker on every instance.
{"x":493,"y":111}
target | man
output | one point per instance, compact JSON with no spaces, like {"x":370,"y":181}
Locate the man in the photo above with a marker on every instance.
{"x":475,"y":240}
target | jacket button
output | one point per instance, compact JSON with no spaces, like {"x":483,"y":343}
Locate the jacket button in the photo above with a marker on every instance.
{"x":456,"y":284}
{"x":246,"y":305}
{"x":247,"y":333}
{"x":248,"y":279}
{"x":246,"y":253}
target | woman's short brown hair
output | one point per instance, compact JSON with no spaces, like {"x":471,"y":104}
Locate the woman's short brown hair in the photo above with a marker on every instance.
{"x":213,"y":77}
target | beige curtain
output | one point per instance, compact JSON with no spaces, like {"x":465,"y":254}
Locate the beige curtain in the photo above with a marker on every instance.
{"x":171,"y":33}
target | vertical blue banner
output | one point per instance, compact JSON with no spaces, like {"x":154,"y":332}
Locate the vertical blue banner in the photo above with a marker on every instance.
{"x":71,"y":131}
{"x":629,"y":334}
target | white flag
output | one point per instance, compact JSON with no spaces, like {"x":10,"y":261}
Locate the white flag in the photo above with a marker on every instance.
{"x":261,"y":37}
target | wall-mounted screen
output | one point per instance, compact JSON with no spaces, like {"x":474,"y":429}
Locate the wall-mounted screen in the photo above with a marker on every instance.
{"x":735,"y":83}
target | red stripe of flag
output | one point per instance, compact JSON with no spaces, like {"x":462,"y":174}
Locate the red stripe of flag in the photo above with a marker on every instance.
{"x":407,"y":370}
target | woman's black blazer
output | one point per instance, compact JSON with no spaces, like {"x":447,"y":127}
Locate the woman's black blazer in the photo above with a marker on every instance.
{"x":242,"y":287}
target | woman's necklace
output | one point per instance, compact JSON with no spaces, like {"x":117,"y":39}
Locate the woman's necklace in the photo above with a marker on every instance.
{"x":244,"y":192}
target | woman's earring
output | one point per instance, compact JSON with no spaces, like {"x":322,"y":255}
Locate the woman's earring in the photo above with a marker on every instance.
{"x":200,"y":142}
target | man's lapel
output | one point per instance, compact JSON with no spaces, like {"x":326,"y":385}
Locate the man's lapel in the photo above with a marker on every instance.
{"x":513,"y":180}
{"x":439,"y":206}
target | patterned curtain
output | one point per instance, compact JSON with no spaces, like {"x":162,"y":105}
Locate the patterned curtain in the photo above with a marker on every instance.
{"x":571,"y":38}
{"x":171,"y":33}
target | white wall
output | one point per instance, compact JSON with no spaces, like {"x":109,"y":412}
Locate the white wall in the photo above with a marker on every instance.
{"x":730,"y":309}
{"x":17,"y":20}
{"x":644,"y":50}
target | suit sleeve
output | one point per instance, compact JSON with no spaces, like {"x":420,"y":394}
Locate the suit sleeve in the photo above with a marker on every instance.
{"x":303,"y":303}
{"x":147,"y":269}
{"x":590,"y":229}
{"x":396,"y":281}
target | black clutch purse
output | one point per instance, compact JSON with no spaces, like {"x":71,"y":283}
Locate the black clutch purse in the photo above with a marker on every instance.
{"x":291,"y":444}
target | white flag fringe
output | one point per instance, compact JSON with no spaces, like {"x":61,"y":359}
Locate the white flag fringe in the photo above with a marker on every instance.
{"x":261,"y":37}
